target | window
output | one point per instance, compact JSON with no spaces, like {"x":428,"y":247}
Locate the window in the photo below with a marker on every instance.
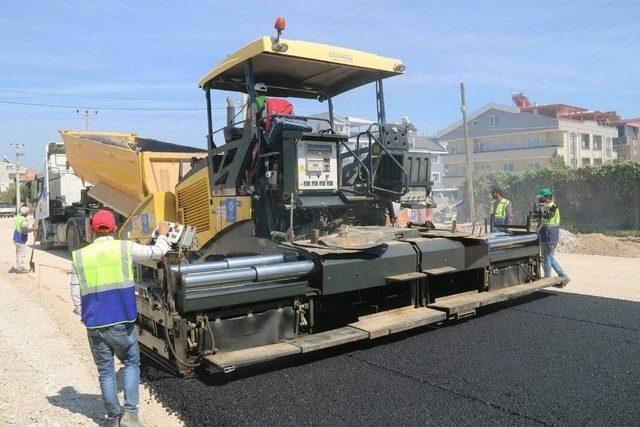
{"x":494,"y":121}
{"x":584,"y":140}
{"x":435,"y":159}
{"x":485,"y":167}
{"x":475,"y":123}
{"x":586,"y":161}
{"x":533,"y":165}
{"x":508,"y":144}
{"x":597,"y":142}
{"x":452,"y":149}
{"x":435,"y":176}
{"x":597,"y":161}
{"x":484,"y":146}
{"x":533,"y":141}
{"x":508,"y":167}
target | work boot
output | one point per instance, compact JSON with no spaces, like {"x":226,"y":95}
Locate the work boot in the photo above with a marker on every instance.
{"x":565,"y":280}
{"x":115,"y":422}
{"x":21,"y":271}
{"x":129,"y":419}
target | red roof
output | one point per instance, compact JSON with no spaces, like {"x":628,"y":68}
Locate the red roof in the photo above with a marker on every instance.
{"x":571,"y":112}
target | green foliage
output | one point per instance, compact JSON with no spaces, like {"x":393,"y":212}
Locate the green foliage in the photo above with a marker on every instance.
{"x":590,"y":198}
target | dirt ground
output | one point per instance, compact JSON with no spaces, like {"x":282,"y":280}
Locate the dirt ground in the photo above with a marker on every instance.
{"x":584,"y":244}
{"x":47,"y":375}
{"x":599,"y":244}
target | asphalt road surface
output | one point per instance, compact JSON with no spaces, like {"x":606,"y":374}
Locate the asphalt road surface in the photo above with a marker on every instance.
{"x":552,"y":358}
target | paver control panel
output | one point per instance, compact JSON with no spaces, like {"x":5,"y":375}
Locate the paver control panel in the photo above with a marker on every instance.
{"x":317,"y":165}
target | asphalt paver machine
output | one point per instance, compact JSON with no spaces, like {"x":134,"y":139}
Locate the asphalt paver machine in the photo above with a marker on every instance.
{"x":288,"y":241}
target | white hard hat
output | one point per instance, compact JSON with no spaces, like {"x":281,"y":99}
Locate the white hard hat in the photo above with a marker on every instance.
{"x":260,"y":87}
{"x":24,"y":210}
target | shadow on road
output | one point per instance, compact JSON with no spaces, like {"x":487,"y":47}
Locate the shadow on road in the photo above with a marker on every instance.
{"x":61,"y":251}
{"x":89,"y":405}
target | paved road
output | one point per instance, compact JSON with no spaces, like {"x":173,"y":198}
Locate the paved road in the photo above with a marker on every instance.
{"x":557,"y":358}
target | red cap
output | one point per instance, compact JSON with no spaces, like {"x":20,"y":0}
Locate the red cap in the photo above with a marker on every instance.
{"x":103,"y":222}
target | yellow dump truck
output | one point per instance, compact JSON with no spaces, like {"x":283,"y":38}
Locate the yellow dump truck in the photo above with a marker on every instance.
{"x":123,"y":171}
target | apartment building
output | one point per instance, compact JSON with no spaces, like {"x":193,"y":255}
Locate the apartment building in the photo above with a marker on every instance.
{"x":627,"y":143}
{"x":524,"y":137}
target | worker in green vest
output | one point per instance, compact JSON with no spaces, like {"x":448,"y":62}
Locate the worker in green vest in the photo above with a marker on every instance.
{"x":103,"y":291}
{"x":549,"y":232}
{"x":260,"y":89}
{"x":501,"y":211}
{"x":21,"y":229}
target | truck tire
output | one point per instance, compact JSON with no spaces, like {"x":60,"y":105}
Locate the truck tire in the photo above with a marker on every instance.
{"x":47,"y":246}
{"x":73,"y":238}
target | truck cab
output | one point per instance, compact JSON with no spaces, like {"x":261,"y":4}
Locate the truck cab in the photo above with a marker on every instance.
{"x":58,"y":205}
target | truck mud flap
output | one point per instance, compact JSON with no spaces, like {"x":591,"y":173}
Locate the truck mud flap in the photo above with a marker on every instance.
{"x":367,"y":327}
{"x":460,"y":305}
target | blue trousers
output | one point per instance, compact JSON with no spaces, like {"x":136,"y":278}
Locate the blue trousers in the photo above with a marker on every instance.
{"x":548,"y":258}
{"x":121,"y":340}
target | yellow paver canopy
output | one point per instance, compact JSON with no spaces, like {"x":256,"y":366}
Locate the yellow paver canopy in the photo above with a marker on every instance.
{"x":303,"y":70}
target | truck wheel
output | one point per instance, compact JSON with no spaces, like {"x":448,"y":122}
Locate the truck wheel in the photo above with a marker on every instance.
{"x":47,"y":246}
{"x":73,"y":238}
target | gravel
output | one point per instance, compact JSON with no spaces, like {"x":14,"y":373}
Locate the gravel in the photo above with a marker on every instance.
{"x":556,"y":359}
{"x":47,"y":374}
{"x":598,"y":244}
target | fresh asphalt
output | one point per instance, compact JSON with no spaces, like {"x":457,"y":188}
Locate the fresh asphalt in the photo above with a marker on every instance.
{"x":552,"y":358}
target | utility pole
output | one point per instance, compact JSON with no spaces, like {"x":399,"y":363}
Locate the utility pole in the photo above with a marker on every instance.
{"x":86,"y":114}
{"x":17,"y":148}
{"x":469,"y":153}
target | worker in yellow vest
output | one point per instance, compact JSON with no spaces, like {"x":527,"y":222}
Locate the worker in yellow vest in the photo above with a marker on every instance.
{"x":21,"y":229}
{"x":103,"y":291}
{"x":549,"y":232}
{"x":501,"y":211}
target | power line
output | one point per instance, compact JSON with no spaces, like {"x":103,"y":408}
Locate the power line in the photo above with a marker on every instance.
{"x":358,"y":14}
{"x":323,"y":20}
{"x":37,"y":104}
{"x":524,"y":36}
{"x":519,"y":49}
{"x":28,"y":92}
{"x":498,"y":19}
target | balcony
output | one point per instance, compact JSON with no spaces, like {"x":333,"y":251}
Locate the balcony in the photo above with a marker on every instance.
{"x":542,"y":151}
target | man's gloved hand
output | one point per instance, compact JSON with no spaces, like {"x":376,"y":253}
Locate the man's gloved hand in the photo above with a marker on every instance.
{"x":163,"y":228}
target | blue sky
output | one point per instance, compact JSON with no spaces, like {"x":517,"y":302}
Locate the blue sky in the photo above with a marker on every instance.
{"x":81,"y":53}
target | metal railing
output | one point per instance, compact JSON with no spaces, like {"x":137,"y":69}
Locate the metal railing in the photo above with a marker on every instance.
{"x":372,"y":172}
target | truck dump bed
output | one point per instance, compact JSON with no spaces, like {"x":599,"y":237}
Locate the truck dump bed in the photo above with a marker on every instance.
{"x":124,"y":168}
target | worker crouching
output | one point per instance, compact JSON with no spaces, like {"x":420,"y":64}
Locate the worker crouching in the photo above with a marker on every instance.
{"x":103,"y":290}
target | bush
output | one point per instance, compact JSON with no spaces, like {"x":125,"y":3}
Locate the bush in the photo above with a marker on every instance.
{"x":591,"y":198}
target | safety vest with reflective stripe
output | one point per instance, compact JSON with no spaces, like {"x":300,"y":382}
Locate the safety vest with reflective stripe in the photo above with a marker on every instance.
{"x":500,"y":211}
{"x":550,"y":227}
{"x":107,"y":289}
{"x":18,"y":235}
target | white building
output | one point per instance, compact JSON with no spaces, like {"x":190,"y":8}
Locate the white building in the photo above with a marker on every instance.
{"x":8,"y":174}
{"x":528,"y":137}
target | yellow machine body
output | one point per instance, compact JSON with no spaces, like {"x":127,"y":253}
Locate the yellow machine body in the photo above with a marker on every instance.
{"x":209,"y":213}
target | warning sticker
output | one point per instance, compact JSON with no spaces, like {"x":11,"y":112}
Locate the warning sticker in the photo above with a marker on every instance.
{"x":231,"y":210}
